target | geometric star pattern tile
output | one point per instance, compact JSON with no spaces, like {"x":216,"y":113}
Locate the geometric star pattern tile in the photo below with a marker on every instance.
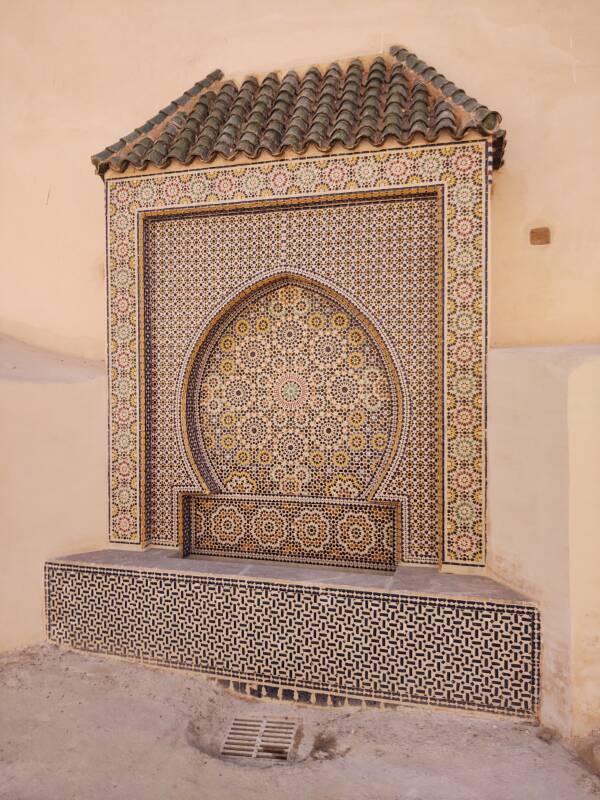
{"x":413,"y":262}
{"x":345,"y":533}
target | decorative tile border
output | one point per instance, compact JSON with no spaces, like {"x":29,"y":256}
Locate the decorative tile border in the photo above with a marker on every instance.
{"x":302,"y":642}
{"x":460,"y":168}
{"x":340,"y":533}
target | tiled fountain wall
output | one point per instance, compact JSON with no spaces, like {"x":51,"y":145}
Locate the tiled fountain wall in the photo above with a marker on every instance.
{"x":361,"y":275}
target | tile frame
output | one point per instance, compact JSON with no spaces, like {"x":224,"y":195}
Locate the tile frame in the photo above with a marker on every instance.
{"x":460,"y":167}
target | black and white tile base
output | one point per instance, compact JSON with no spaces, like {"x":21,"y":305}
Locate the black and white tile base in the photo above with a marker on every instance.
{"x":297,"y":641}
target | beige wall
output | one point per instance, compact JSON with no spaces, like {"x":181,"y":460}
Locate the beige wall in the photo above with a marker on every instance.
{"x":75,"y":77}
{"x":543,"y":506}
{"x":584,"y":527}
{"x":53,"y":476}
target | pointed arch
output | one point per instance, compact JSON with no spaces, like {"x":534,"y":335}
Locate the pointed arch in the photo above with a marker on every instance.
{"x":385,"y":400}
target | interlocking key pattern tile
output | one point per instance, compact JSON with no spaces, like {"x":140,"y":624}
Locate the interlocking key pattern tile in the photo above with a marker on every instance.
{"x":305,"y":640}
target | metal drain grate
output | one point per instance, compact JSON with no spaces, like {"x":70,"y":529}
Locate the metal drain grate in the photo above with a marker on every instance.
{"x":260,"y":738}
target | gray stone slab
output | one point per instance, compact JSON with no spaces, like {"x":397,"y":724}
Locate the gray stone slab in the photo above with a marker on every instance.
{"x":406,"y":579}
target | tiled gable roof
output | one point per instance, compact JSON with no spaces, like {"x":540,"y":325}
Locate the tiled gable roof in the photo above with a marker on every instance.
{"x":386,"y":98}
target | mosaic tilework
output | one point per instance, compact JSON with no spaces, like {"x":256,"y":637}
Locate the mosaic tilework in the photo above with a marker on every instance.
{"x":404,"y":349}
{"x":339,"y":533}
{"x":292,"y":396}
{"x":411,"y":649}
{"x":461,"y":170}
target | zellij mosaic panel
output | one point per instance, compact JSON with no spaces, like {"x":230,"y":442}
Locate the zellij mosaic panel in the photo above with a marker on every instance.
{"x":338,"y":533}
{"x":347,"y":643}
{"x":375,"y":261}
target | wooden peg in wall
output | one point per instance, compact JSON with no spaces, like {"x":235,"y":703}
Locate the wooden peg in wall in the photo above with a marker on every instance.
{"x":539,"y":236}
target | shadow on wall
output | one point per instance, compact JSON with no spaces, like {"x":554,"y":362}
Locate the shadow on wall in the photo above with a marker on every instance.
{"x":53,"y":475}
{"x":20,"y":361}
{"x":543,"y":505}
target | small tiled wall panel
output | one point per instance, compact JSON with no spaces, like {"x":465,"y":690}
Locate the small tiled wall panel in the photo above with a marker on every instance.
{"x":340,"y":533}
{"x":296,"y":641}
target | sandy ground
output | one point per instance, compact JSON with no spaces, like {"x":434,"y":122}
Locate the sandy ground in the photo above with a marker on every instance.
{"x":94,"y":728}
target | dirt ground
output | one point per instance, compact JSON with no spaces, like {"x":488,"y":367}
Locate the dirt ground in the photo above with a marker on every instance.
{"x":93,"y":728}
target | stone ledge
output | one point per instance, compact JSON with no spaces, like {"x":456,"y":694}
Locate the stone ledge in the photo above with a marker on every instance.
{"x":301,"y":639}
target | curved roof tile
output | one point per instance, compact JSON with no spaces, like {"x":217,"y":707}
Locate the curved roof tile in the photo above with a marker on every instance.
{"x":397,"y":97}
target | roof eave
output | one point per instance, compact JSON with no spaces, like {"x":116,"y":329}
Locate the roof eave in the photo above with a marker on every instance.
{"x":486,"y":120}
{"x":147,"y":147}
{"x":101,"y":160}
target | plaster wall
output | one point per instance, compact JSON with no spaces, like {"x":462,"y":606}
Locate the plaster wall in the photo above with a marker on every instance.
{"x":73,"y":79}
{"x":584,"y":513}
{"x":53,"y":476}
{"x":70,"y":88}
{"x":544,"y":424}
